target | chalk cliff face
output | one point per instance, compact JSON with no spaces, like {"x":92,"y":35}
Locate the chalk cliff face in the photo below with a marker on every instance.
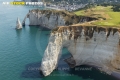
{"x":96,"y":46}
{"x":53,"y":18}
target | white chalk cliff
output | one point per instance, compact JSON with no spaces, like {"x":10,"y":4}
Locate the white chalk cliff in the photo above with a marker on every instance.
{"x":53,"y":18}
{"x":18,"y":24}
{"x":96,"y":46}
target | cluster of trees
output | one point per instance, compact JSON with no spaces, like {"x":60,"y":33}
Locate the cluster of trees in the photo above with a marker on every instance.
{"x":116,"y":8}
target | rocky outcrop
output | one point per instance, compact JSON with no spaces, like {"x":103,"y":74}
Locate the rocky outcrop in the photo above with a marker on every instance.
{"x":89,"y":45}
{"x":18,"y":24}
{"x":54,"y":18}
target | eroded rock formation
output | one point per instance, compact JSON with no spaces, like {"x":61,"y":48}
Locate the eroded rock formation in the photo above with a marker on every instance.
{"x":53,"y":18}
{"x":89,"y":45}
{"x":18,"y":24}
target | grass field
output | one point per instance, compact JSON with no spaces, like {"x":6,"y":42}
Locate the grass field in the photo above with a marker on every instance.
{"x":106,"y":16}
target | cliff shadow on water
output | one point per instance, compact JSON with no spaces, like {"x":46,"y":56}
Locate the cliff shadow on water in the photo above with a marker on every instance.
{"x":18,"y":32}
{"x":90,"y":72}
{"x":32,"y":70}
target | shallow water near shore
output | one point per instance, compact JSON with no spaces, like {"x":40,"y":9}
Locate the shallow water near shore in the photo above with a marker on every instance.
{"x":21,"y":51}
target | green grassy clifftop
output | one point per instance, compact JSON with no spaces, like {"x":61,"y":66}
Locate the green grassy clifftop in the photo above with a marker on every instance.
{"x":106,"y":16}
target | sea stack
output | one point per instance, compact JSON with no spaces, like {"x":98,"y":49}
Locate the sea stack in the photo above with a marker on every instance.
{"x":18,"y":24}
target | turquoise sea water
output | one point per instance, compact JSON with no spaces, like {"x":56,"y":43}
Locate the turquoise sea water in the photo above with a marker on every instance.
{"x":21,"y":51}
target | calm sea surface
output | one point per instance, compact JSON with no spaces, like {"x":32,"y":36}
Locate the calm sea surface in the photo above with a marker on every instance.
{"x":21,"y":51}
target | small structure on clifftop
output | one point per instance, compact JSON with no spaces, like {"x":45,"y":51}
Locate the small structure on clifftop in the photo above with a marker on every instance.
{"x":18,"y":24}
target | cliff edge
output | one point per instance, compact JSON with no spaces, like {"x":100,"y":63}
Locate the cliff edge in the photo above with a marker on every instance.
{"x":54,"y":18}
